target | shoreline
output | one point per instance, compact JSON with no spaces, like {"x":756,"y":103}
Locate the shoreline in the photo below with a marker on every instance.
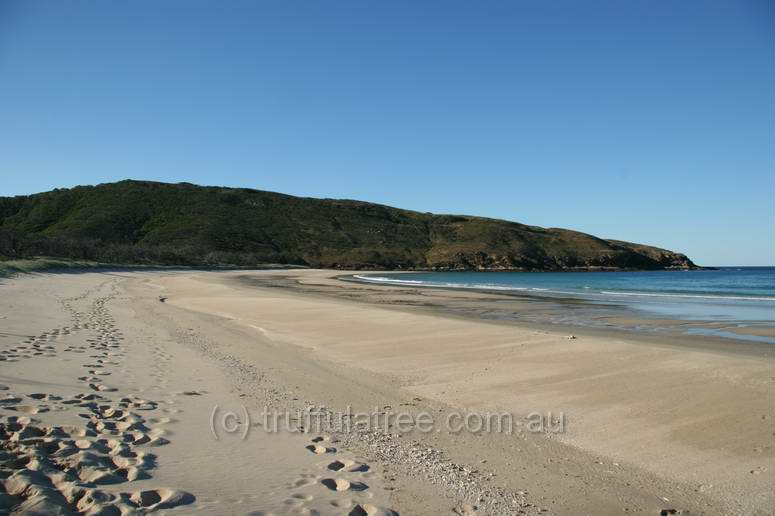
{"x":666,"y":339}
{"x":615,"y":315}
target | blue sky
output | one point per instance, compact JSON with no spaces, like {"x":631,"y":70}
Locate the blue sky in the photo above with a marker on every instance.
{"x":639,"y":120}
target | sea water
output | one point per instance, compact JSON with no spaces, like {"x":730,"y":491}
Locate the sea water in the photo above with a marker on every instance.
{"x":725,"y":294}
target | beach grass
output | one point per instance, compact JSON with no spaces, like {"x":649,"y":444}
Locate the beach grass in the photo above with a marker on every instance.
{"x":43,"y":264}
{"x":48,"y":264}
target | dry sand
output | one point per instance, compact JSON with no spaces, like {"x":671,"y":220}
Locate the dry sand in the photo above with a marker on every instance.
{"x":133,"y":392}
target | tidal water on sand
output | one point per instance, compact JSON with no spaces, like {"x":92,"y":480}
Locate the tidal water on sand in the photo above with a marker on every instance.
{"x":739,"y":301}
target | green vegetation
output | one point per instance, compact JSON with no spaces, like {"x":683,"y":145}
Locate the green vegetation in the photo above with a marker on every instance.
{"x":144,"y":222}
{"x":11,"y":267}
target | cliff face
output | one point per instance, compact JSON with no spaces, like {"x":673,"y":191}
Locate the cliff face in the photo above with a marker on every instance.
{"x":146,"y":222}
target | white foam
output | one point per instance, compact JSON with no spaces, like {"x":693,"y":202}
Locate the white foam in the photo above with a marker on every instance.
{"x":477,"y":286}
{"x":485,"y":286}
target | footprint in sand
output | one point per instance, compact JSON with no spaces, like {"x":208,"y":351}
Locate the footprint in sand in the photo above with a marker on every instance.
{"x":304,"y":482}
{"x":38,"y":481}
{"x":77,"y":431}
{"x":340,"y":484}
{"x":29,"y":409}
{"x":371,"y":510}
{"x":319,"y":450}
{"x":101,"y":387}
{"x":45,"y":396}
{"x":347,"y":483}
{"x":348,"y":466}
{"x":137,"y":404}
{"x":318,"y":447}
{"x":161,"y":499}
{"x":19,"y":420}
{"x":54,"y":469}
{"x":9,"y":399}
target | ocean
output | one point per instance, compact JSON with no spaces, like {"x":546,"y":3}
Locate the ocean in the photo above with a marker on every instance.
{"x":739,"y":296}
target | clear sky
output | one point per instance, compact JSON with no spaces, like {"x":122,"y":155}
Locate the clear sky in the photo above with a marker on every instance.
{"x":650,"y":121}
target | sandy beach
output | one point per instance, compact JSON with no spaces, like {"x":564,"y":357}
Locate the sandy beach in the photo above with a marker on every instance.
{"x":130,"y":391}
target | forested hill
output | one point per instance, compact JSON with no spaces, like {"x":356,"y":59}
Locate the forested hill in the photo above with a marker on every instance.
{"x":185,"y":224}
